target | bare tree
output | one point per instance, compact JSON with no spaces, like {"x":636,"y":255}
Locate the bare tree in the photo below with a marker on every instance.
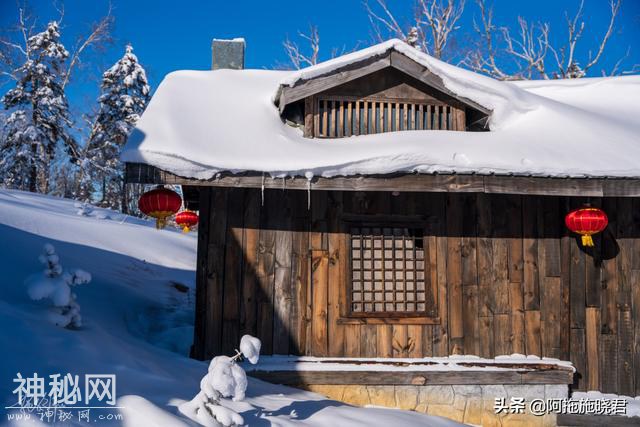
{"x":431,"y":29}
{"x":297,"y":56}
{"x":98,"y":37}
{"x":530,"y":48}
{"x":13,"y":44}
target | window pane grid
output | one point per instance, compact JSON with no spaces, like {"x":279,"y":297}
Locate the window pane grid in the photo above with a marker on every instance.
{"x":387,"y":271}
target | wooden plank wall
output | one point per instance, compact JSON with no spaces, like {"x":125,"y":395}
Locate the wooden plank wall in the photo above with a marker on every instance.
{"x":510,"y":279}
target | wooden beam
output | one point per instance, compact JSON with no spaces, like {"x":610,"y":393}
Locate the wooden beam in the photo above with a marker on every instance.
{"x":305,"y":88}
{"x":476,"y":377}
{"x":546,"y":186}
{"x":420,"y":72}
{"x":576,"y":187}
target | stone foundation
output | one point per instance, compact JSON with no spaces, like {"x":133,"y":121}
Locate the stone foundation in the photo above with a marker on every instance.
{"x":471,"y":404}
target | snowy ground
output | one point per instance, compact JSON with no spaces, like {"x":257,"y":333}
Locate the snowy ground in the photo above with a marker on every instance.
{"x":137,"y":322}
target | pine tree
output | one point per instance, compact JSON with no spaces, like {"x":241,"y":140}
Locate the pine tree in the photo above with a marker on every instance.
{"x":39,"y":119}
{"x":124,"y":96}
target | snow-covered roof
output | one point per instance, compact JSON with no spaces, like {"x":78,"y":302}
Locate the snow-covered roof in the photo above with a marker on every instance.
{"x":200,"y":123}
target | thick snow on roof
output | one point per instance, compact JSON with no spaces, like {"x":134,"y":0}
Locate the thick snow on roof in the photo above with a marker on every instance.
{"x":200,"y":123}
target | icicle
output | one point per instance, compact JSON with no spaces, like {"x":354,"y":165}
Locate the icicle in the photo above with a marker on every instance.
{"x":309,"y":176}
{"x":262,"y":190}
{"x":284,"y":182}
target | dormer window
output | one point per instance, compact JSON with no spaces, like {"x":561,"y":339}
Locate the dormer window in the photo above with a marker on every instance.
{"x":381,"y":94}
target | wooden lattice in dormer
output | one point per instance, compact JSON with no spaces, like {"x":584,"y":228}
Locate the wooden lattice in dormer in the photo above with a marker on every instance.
{"x":340,"y":116}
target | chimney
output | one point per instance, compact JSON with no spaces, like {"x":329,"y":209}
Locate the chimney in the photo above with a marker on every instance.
{"x":227,"y":54}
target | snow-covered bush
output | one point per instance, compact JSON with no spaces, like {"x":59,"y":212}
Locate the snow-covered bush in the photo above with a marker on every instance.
{"x":55,"y":284}
{"x":225,"y":378}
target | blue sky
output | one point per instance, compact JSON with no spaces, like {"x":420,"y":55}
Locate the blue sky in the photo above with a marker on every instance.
{"x":169,"y":35}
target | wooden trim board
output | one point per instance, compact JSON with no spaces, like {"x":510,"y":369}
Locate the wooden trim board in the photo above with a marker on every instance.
{"x":559,"y":376}
{"x":453,"y":183}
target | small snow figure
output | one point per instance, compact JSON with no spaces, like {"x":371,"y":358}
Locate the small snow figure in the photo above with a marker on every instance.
{"x":225,"y":378}
{"x":84,"y":209}
{"x":55,"y":284}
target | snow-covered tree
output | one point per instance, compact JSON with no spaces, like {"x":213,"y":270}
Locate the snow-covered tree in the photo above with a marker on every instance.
{"x":225,"y":378}
{"x":56,"y":285}
{"x":124,"y":96}
{"x":17,"y":161}
{"x":39,"y":121}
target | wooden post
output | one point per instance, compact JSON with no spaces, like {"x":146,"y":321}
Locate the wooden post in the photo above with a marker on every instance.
{"x":325,"y":120}
{"x":319,"y":289}
{"x":309,"y":117}
{"x":592,"y":333}
{"x":357,"y":118}
{"x":200,"y":326}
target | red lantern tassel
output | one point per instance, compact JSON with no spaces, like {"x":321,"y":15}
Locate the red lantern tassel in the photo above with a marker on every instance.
{"x":587,"y":240}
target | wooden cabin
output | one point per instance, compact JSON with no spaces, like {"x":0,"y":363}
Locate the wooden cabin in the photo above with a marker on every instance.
{"x":414,"y":262}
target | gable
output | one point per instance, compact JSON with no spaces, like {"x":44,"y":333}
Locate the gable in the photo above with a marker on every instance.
{"x":390,"y":83}
{"x":384,"y":100}
{"x":366,"y":68}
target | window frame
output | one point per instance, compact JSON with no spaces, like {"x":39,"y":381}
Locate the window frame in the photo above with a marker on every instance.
{"x":429,"y":315}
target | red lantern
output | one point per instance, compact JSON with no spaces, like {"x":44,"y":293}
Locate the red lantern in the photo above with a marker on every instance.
{"x":186,"y":219}
{"x":160,"y":204}
{"x":586,"y":221}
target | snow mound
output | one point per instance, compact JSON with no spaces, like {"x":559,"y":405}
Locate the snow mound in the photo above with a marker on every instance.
{"x":201,"y":123}
{"x":633,"y":403}
{"x":225,"y":377}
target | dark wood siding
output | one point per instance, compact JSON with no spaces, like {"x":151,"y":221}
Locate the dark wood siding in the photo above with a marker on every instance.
{"x":509,"y":278}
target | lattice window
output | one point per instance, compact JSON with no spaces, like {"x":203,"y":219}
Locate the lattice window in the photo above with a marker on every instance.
{"x":388,"y":272}
{"x":338,"y":117}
